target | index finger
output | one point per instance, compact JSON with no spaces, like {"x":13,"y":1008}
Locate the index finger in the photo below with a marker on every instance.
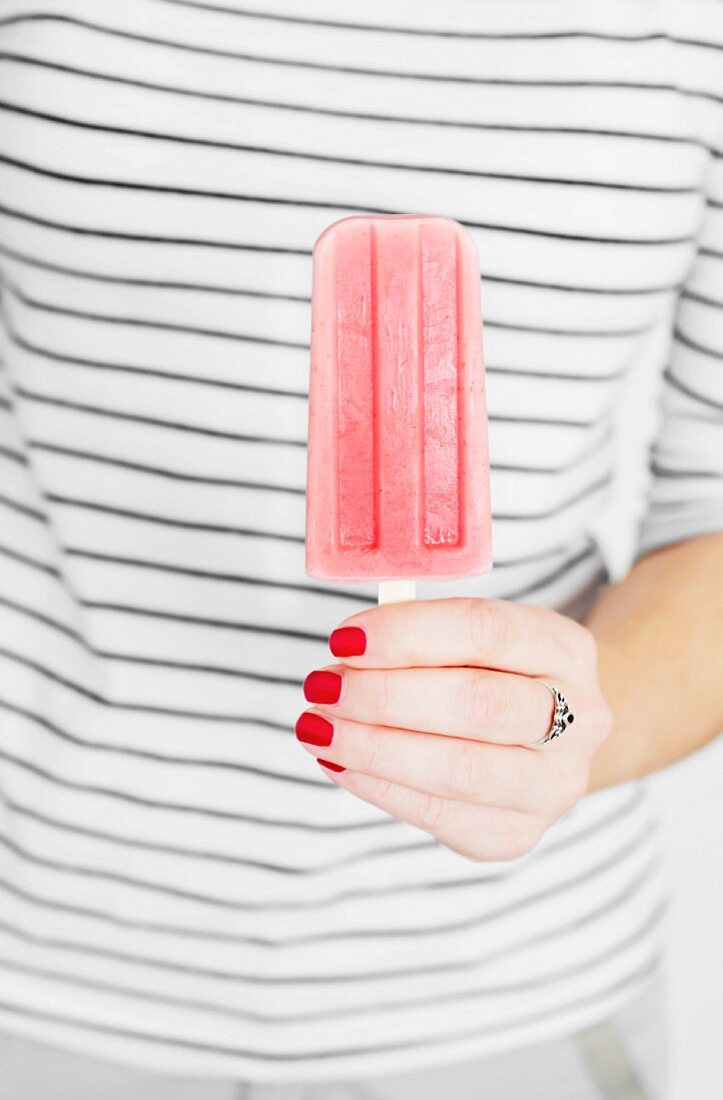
{"x":494,"y":634}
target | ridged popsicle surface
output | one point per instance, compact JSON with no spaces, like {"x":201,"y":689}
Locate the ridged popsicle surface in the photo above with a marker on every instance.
{"x":398,"y":470}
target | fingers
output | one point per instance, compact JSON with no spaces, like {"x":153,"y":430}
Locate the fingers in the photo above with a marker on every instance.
{"x":495,"y":634}
{"x":478,"y":832}
{"x":446,"y":767}
{"x":454,"y":702}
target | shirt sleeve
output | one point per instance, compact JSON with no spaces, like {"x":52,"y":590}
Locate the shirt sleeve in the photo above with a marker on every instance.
{"x":686,"y":489}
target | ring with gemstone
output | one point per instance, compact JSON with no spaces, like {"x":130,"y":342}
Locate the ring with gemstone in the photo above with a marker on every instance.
{"x":562,"y":717}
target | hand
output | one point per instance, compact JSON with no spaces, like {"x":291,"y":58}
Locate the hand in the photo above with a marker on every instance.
{"x":433,"y":714}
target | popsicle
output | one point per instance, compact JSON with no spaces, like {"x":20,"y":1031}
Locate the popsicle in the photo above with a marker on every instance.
{"x":398,"y":469}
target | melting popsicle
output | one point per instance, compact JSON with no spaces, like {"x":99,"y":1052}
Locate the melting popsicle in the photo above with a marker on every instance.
{"x":398,"y":469}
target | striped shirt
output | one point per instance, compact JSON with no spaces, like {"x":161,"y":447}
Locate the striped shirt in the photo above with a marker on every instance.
{"x":180,"y":886}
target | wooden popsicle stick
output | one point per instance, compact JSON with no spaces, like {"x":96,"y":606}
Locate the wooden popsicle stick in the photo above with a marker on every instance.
{"x":397,"y":591}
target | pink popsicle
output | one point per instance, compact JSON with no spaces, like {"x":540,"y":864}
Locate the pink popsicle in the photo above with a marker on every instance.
{"x":398,"y":469}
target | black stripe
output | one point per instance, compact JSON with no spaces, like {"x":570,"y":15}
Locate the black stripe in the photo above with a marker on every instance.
{"x":171,"y":425}
{"x":151,"y":372}
{"x":366,"y":891}
{"x":174,"y":475}
{"x":211,"y":670}
{"x":33,"y":563}
{"x":295,"y":154}
{"x":213,"y":901}
{"x":120,"y":705}
{"x":314,"y":109}
{"x":162,"y":326}
{"x":193,"y":525}
{"x":94,"y":605}
{"x":39,"y":616}
{"x":296,"y":63}
{"x":116,"y":919}
{"x":683,"y":338}
{"x":268,"y":200}
{"x":562,"y":506}
{"x":579,"y":1003}
{"x":224,"y":624}
{"x":243,"y":292}
{"x":577,"y":459}
{"x":555,"y":375}
{"x":428,"y":32}
{"x":539,"y":555}
{"x":83,"y":231}
{"x":640,"y":330}
{"x":274,"y":249}
{"x":683,"y":509}
{"x":678,"y":385}
{"x":561,"y":571}
{"x":194,"y":379}
{"x":702,"y":298}
{"x":239,"y":578}
{"x":662,"y":471}
{"x":88,"y":693}
{"x":573,"y":289}
{"x":153,"y":613}
{"x":543,"y":421}
{"x":169,"y":521}
{"x":23,"y":509}
{"x":157,"y":757}
{"x":154,"y":662}
{"x":121,"y":280}
{"x":531,"y":1018}
{"x":199,"y":479}
{"x":13,"y":456}
{"x":183,"y":808}
{"x":192,"y":1003}
{"x":325,"y":935}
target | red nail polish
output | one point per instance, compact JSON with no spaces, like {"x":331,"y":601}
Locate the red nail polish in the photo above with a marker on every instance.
{"x":312,"y":729}
{"x":322,"y":687}
{"x":328,"y":764}
{"x":348,"y":641}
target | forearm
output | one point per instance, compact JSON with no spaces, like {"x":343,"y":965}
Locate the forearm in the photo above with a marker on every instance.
{"x":660,"y":639}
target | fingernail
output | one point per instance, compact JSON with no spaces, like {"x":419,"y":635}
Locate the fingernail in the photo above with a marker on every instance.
{"x":322,"y":687}
{"x":328,"y":764}
{"x":348,"y":641}
{"x":312,"y":729}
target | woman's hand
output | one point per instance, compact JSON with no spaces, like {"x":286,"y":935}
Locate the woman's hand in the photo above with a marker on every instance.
{"x":433,"y":714}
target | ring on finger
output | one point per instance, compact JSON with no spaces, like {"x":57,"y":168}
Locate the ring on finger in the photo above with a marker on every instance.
{"x":562,"y":716}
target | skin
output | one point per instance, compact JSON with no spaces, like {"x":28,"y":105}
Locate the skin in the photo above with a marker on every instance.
{"x":436,"y":721}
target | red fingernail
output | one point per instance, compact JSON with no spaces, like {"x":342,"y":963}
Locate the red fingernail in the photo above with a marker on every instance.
{"x":312,"y":729}
{"x":322,"y":687}
{"x":328,"y":764}
{"x":348,"y":641}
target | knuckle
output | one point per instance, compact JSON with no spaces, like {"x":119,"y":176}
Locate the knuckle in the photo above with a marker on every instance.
{"x":372,"y":751}
{"x":489,"y":626}
{"x":578,"y":642}
{"x":488,"y":700}
{"x":383,"y":695}
{"x":466,"y":773}
{"x":431,"y":812}
{"x":521,"y":837}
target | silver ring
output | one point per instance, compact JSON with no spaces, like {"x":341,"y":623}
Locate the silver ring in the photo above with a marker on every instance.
{"x":561,"y":719}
